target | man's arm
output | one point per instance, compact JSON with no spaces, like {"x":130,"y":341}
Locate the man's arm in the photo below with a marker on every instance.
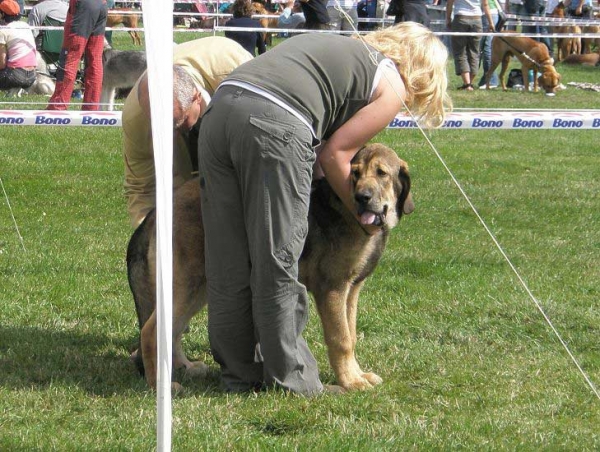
{"x":449,"y":6}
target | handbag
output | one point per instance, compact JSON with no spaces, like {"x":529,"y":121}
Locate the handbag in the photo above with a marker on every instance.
{"x":501,"y":20}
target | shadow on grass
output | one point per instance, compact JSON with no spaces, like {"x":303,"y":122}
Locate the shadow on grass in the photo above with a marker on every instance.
{"x":34,"y":357}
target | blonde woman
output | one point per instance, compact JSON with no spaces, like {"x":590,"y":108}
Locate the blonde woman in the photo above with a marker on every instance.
{"x":258,"y":140}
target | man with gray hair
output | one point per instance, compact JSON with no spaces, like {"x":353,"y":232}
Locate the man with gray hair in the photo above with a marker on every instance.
{"x":198,"y":68}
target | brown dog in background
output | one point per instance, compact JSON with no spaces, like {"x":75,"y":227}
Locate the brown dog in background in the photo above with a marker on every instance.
{"x":568,"y":45}
{"x":532,"y":55}
{"x":337,"y":258}
{"x":265,"y":22}
{"x":589,"y":59}
{"x":128,"y":21}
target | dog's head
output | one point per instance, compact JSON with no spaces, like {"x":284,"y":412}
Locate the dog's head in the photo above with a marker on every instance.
{"x":381,"y":186}
{"x":549,"y":79}
{"x":559,"y":10}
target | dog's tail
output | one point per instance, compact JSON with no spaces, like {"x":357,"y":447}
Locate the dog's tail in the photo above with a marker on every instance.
{"x":141,"y":281}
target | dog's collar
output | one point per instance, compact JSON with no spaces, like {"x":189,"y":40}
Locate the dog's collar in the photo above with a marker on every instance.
{"x":538,"y":65}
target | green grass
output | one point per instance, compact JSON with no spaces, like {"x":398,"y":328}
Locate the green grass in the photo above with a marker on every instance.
{"x":467,"y":360}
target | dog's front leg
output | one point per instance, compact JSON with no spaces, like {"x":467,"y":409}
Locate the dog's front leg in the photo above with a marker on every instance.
{"x":351,"y":313}
{"x":332,"y":309}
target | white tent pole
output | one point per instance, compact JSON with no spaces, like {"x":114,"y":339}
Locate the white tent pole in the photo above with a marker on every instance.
{"x":158,"y":26}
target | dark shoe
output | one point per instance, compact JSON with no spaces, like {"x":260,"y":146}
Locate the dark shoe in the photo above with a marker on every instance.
{"x":467,"y":87}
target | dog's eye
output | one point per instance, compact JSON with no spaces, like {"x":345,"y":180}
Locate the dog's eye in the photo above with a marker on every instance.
{"x":381,"y":172}
{"x":355,"y":173}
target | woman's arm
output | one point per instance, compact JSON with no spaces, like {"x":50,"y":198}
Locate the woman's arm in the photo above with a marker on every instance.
{"x":486,"y":10}
{"x":2,"y":56}
{"x":340,"y":148}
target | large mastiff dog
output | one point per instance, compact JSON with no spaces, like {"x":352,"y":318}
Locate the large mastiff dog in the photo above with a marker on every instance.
{"x":337,"y":257}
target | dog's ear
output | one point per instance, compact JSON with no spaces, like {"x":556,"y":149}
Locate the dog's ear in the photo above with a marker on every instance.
{"x":405,"y":203}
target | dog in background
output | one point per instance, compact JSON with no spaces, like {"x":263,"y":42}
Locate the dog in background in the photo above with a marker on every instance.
{"x":265,"y":22}
{"x":570,"y":45}
{"x":588,"y":59}
{"x":532,"y":55}
{"x":588,"y":43}
{"x":128,"y":21}
{"x":337,"y":258}
{"x":122,"y":68}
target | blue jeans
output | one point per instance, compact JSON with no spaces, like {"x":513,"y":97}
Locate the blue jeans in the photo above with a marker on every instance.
{"x":486,"y":50}
{"x":541,"y":11}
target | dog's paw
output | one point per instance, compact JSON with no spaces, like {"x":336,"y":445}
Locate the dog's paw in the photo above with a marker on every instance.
{"x":372,"y":378}
{"x":196,"y":369}
{"x":357,"y":383}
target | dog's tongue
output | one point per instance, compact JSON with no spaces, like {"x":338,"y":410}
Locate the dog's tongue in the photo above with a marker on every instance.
{"x":367,"y":218}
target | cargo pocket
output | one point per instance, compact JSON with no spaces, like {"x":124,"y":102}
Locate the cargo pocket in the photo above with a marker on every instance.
{"x":287,"y":161}
{"x":289,"y":253}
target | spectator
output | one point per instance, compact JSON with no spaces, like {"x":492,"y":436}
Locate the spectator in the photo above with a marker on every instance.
{"x":315,"y":13}
{"x":52,"y":9}
{"x":205,"y":62}
{"x":537,"y":8}
{"x":486,"y":46}
{"x":17,"y":49}
{"x":250,"y":40}
{"x":256,"y":164}
{"x":110,"y":4}
{"x":580,"y":8}
{"x":465,"y":48}
{"x":516,"y":7}
{"x":292,"y":16}
{"x":343,"y":15}
{"x":411,"y":11}
{"x":84,"y":32}
{"x":21,"y":4}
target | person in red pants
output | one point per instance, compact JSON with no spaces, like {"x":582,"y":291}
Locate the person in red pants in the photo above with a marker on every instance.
{"x":84,"y":33}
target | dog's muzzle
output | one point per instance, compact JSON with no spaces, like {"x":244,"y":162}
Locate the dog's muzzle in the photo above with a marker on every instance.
{"x":368,"y":214}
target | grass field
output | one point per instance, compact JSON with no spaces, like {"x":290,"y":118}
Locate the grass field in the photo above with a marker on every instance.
{"x":467,"y":360}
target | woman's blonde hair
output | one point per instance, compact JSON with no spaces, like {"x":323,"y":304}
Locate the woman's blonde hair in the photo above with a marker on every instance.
{"x":421,"y":59}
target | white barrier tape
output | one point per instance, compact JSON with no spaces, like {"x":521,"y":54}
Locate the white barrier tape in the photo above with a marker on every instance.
{"x":60,"y":118}
{"x":516,"y":120}
{"x":512,"y":35}
{"x":297,"y":30}
{"x":437,"y":33}
{"x":479,"y":120}
{"x":558,"y":21}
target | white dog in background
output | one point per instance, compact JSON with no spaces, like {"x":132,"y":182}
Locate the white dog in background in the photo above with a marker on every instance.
{"x":122,"y":68}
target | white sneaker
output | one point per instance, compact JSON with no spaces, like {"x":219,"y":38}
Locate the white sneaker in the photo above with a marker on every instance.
{"x":491,"y":86}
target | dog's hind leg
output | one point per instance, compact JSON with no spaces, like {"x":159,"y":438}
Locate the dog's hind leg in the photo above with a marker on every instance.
{"x":505,"y":62}
{"x":184,"y":310}
{"x":148,"y":350}
{"x":493,"y":65}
